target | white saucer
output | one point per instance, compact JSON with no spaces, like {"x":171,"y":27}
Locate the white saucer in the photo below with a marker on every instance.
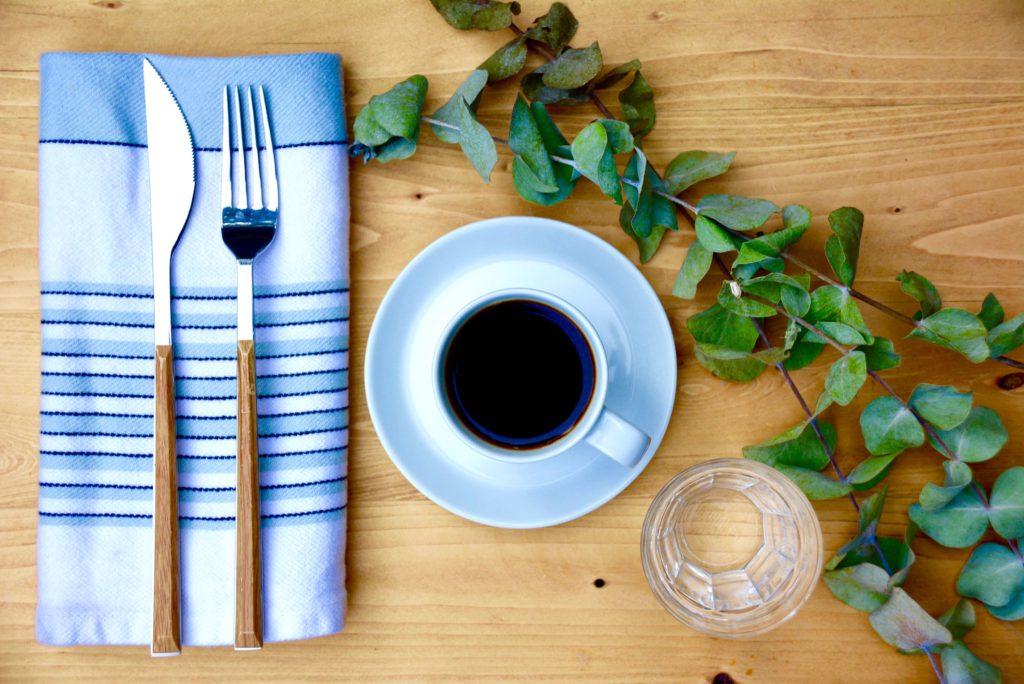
{"x":506,"y":253}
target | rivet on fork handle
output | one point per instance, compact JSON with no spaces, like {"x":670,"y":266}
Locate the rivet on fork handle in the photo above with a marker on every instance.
{"x":166,"y":588}
{"x":248,"y":594}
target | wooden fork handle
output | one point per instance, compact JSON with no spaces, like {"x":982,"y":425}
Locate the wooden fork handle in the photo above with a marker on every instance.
{"x":166,"y":587}
{"x":248,"y":574}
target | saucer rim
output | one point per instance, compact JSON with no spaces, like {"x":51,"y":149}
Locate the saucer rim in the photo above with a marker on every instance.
{"x":388,"y":302}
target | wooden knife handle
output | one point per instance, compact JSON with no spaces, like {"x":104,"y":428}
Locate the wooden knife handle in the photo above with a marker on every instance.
{"x":166,"y":587}
{"x":248,"y":574}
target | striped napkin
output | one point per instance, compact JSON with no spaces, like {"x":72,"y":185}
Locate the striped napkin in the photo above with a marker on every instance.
{"x":96,"y":470}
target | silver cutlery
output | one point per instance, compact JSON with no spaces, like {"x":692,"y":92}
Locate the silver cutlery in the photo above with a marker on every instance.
{"x":171,"y":188}
{"x":249,"y":220}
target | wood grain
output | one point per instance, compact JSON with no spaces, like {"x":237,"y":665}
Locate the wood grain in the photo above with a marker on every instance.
{"x":248,"y":564}
{"x":166,"y":580}
{"x":911,"y":110}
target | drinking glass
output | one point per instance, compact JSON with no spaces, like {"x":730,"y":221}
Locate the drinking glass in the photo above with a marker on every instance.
{"x":731,"y":547}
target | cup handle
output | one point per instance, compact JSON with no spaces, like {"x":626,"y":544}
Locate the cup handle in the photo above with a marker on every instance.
{"x":617,"y":438}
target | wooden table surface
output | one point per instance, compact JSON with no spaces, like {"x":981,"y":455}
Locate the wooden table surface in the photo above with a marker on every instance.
{"x":912,"y":111}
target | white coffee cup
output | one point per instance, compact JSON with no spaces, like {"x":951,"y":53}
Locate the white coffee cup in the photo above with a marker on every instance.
{"x":598,"y":426}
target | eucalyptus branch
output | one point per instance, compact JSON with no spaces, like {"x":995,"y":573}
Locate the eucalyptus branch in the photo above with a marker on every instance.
{"x":388,"y":129}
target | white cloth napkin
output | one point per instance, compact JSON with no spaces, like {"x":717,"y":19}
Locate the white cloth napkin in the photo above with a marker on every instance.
{"x":95,"y":539}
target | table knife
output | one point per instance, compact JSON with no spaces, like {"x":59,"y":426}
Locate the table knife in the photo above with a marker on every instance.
{"x":171,"y":188}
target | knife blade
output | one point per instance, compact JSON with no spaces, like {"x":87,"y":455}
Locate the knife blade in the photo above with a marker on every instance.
{"x":171,"y":189}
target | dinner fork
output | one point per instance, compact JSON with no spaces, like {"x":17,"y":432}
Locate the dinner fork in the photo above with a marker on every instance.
{"x":249,"y":220}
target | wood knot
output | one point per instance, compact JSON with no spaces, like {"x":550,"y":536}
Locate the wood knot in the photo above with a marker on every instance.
{"x":599,"y":583}
{"x":108,"y":4}
{"x":1010,"y":381}
{"x":723,"y":678}
{"x":896,"y":210}
{"x":658,"y":15}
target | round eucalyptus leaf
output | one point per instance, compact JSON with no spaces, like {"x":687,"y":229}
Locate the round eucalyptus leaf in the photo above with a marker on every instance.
{"x":902,"y":623}
{"x":1006,"y":504}
{"x":993,"y":575}
{"x":888,"y":427}
{"x":1013,"y":610}
{"x":961,"y":523}
{"x":815,"y":485}
{"x":958,"y":476}
{"x":976,"y":439}
{"x":961,"y":666}
{"x":864,"y":586}
{"x":941,"y":405}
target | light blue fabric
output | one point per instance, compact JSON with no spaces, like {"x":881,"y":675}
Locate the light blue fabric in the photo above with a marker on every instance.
{"x":96,"y":446}
{"x":304,"y":93}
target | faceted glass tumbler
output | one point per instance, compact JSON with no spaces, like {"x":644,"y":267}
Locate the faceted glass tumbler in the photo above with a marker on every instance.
{"x":731,"y":547}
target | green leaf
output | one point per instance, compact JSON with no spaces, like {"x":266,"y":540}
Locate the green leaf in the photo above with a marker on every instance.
{"x":527,"y":124}
{"x":613,"y":76}
{"x":476,"y":142}
{"x":640,"y":197}
{"x":1006,"y":337}
{"x":388,"y":127}
{"x":780,"y":288}
{"x":1013,"y":610}
{"x":718,"y":326}
{"x":555,"y":29}
{"x":881,"y":354}
{"x":595,"y":161}
{"x":798,"y":446}
{"x":831,"y":303}
{"x":398,"y":110}
{"x":535,"y":90}
{"x":695,"y":267}
{"x":864,"y":586}
{"x":802,"y":354}
{"x":976,"y":439}
{"x":477,"y":14}
{"x":451,"y":112}
{"x":507,"y":61}
{"x":955,"y":329}
{"x":958,"y":476}
{"x":796,"y":220}
{"x":573,"y":68}
{"x":991,"y":313}
{"x":1006,"y":505}
{"x":814,"y":484}
{"x":961,"y":666}
{"x":922,"y":290}
{"x":839,"y":332}
{"x":902,"y":623}
{"x":713,"y":236}
{"x":889,"y":427}
{"x":871,"y":470}
{"x":959,"y":619}
{"x":637,"y":103}
{"x":526,"y":141}
{"x":738,"y":213}
{"x":690,"y":168}
{"x":993,"y":574}
{"x":960,"y":524}
{"x":941,"y":405}
{"x":842,"y":248}
{"x":743,"y":306}
{"x":846,"y":377}
{"x":620,"y":140}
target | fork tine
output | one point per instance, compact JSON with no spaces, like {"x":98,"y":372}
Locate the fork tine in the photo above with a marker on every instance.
{"x":269,"y":163}
{"x":252,"y":162}
{"x":239,"y":167}
{"x":225,"y":154}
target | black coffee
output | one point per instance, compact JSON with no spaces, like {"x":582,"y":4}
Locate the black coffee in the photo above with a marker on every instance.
{"x":519,"y":374}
